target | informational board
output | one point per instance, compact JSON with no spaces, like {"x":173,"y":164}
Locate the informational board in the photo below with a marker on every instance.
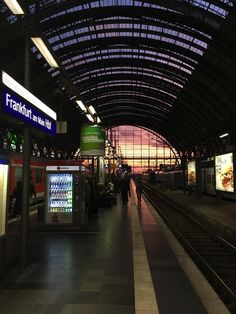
{"x":19,"y":103}
{"x":224,"y":171}
{"x":191,"y":173}
{"x":92,"y":141}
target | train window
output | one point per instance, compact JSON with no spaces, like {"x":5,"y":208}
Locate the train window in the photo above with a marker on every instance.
{"x":18,"y":174}
{"x":38,"y":176}
{"x":213,"y":178}
{"x":208,"y":179}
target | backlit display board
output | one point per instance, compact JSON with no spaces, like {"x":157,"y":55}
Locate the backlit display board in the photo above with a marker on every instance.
{"x":21,"y":104}
{"x":224,"y":172}
{"x":192,"y":173}
{"x":92,"y":141}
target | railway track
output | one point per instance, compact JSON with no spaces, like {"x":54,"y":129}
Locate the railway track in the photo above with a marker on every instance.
{"x":214,"y":255}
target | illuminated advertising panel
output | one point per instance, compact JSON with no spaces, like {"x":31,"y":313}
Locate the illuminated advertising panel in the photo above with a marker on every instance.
{"x":21,"y":104}
{"x":4,"y":168}
{"x":224,"y":172}
{"x":92,"y":141}
{"x":192,"y":173}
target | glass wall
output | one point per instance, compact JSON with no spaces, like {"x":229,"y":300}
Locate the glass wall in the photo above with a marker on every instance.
{"x":142,"y":149}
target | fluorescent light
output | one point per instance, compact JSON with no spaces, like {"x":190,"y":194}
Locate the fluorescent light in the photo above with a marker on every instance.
{"x":92,"y":110}
{"x":44,"y":51}
{"x":89,"y":117}
{"x":224,"y":135}
{"x":20,"y":90}
{"x":14,"y":6}
{"x":98,"y":120}
{"x":81,"y":105}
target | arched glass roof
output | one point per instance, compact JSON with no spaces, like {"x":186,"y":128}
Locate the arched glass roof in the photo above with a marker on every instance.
{"x":129,"y":57}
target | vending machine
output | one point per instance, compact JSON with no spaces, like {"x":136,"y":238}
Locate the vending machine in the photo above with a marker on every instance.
{"x":65,"y":195}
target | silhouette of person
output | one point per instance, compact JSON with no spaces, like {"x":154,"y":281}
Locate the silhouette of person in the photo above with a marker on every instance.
{"x":125,"y":189}
{"x":17,"y":195}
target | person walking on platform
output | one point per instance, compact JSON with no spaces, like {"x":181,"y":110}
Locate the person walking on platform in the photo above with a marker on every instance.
{"x":139,"y":189}
{"x":125,"y":188}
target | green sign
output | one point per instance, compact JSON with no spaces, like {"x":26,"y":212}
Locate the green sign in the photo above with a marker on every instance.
{"x":92,"y":141}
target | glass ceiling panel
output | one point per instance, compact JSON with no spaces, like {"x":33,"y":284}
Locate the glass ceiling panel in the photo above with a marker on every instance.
{"x":130,"y":81}
{"x":199,"y":50}
{"x":138,"y":52}
{"x":128,"y":94}
{"x":126,"y":70}
{"x":132,"y":84}
{"x":219,"y":10}
{"x":156,"y":33}
{"x":130,"y":56}
{"x":130,"y":102}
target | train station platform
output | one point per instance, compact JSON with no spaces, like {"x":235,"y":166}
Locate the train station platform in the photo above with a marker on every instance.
{"x":217,"y":211}
{"x":124,"y":261}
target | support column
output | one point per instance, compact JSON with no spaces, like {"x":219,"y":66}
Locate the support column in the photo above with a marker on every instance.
{"x":26,"y":168}
{"x":198,"y":192}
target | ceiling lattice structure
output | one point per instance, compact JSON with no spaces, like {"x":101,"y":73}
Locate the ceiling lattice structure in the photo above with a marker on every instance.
{"x":166,"y":65}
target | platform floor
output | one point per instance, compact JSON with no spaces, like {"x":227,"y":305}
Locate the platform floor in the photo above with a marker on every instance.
{"x":124,"y":261}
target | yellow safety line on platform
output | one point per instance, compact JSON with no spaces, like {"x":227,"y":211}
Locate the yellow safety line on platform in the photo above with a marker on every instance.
{"x":145,"y":298}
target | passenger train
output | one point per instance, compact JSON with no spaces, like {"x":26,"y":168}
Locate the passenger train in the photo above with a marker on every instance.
{"x":37,"y":171}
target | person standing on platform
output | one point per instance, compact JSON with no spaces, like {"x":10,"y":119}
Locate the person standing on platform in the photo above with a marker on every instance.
{"x":17,"y":199}
{"x":125,"y":188}
{"x":139,"y":189}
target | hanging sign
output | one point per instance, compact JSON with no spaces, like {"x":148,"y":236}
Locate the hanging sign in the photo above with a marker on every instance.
{"x":92,"y":141}
{"x":21,"y":104}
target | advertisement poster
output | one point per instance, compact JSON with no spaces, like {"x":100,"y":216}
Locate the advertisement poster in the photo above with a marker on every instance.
{"x":4,"y":168}
{"x":192,"y":173}
{"x":92,"y":141}
{"x":224,"y":172}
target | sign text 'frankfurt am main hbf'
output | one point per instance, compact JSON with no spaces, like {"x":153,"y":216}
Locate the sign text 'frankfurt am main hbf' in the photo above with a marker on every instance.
{"x":20,"y":103}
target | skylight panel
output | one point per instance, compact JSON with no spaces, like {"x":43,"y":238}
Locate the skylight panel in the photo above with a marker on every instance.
{"x":206,"y":5}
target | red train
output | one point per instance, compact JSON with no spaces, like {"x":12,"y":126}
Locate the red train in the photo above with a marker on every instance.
{"x":37,"y":168}
{"x":37,"y":173}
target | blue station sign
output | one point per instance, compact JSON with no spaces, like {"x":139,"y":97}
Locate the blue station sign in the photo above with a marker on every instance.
{"x":21,"y":104}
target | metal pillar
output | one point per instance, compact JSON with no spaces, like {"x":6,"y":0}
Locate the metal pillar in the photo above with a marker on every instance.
{"x":26,"y":168}
{"x":198,"y":192}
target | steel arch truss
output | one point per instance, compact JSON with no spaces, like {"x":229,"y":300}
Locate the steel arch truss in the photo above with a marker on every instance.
{"x":134,"y":61}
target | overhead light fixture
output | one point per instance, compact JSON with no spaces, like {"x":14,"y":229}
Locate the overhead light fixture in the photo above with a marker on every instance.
{"x":81,"y":105}
{"x":92,"y":110}
{"x":98,"y":120}
{"x":14,"y":6}
{"x":89,"y":117}
{"x":224,"y":135}
{"x":44,"y":51}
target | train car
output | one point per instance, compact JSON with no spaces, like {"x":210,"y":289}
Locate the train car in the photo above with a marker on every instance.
{"x":170,"y":179}
{"x":208,"y":181}
{"x":37,"y":173}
